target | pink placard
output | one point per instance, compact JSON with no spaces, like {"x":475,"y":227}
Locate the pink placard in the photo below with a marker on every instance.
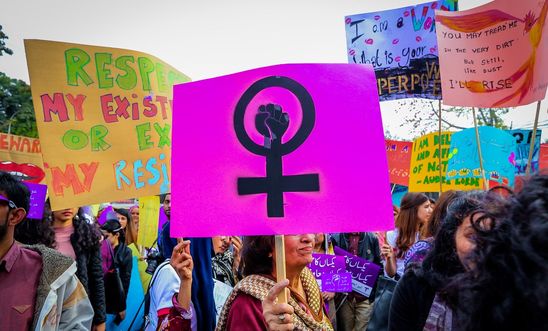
{"x":495,"y":55}
{"x":343,"y":184}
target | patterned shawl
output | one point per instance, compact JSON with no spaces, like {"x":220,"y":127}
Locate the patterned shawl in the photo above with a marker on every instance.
{"x":258,"y":287}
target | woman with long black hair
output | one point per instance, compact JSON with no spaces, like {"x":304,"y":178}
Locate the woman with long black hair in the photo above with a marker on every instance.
{"x":122,"y":262}
{"x":419,"y":301}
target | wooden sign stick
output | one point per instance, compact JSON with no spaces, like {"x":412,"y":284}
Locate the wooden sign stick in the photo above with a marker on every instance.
{"x":279,"y":248}
{"x":439,"y":148}
{"x":485,"y":183}
{"x":532,"y":146}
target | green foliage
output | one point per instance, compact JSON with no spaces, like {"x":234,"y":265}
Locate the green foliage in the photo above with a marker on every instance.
{"x":16,"y":107}
{"x":3,"y":48}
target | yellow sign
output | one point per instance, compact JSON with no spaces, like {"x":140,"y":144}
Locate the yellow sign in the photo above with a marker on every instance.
{"x":21,"y":157}
{"x":425,"y":166}
{"x":104,"y":118}
{"x":149,"y":213}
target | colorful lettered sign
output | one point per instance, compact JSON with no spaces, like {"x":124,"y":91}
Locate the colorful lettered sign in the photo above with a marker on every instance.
{"x":280,"y":150}
{"x":401,"y":45}
{"x":495,"y":55}
{"x":21,"y":157}
{"x":425,"y":163}
{"x":523,"y":140}
{"x":104,"y":116}
{"x":498,"y":149}
{"x":398,"y":154}
{"x":37,"y":200}
{"x":364,"y":272}
{"x":543,"y":161}
{"x":149,"y":211}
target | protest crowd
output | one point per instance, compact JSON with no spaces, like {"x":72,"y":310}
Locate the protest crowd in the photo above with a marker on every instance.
{"x":270,"y":199}
{"x":467,"y":261}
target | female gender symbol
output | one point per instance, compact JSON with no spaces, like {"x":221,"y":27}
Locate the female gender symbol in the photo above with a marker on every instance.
{"x":273,"y":127}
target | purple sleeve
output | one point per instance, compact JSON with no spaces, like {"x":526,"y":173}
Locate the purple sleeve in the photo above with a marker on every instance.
{"x":246,"y":314}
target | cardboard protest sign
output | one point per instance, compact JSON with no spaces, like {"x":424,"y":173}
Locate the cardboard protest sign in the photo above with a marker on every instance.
{"x":401,"y":45}
{"x":495,"y":55}
{"x":364,"y":272}
{"x":37,"y":200}
{"x":337,"y":282}
{"x":311,"y":175}
{"x":523,"y":140}
{"x":21,"y":157}
{"x":543,"y":160}
{"x":398,"y":154}
{"x":104,"y":116}
{"x":323,"y":264}
{"x":425,"y":171}
{"x":498,"y":149}
{"x":149,"y":210}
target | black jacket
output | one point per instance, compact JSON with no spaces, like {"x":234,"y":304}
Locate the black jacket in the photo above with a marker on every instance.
{"x":123,"y":259}
{"x":90,"y":274}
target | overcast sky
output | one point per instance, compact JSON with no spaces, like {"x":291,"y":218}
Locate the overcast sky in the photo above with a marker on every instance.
{"x":206,"y":38}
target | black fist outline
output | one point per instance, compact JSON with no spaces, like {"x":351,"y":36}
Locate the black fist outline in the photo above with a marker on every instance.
{"x":271,"y":121}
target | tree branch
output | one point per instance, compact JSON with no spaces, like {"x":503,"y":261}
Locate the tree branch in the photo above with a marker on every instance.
{"x":451,"y":125}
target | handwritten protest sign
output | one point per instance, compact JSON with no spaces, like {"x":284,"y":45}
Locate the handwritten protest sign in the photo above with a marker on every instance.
{"x":309,"y":178}
{"x":498,"y":150}
{"x":495,"y":55}
{"x":21,"y":157}
{"x":324,"y":264}
{"x":398,"y":154}
{"x":149,"y":210}
{"x":543,"y":160}
{"x":104,"y":116}
{"x":37,"y":200}
{"x":425,"y":171}
{"x":364,"y":272}
{"x":337,"y":282}
{"x":401,"y":45}
{"x":523,"y":140}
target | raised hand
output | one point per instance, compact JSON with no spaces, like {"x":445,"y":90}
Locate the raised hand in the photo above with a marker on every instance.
{"x":271,"y":121}
{"x":278,"y":316}
{"x":181,"y":260}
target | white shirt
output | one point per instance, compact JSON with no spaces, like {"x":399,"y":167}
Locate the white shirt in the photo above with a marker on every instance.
{"x":166,"y":282}
{"x":391,"y":237}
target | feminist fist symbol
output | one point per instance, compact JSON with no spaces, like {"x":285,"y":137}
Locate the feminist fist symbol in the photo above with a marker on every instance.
{"x":271,"y":121}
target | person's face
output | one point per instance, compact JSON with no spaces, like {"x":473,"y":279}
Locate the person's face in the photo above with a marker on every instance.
{"x":64,"y":215}
{"x":298,"y":250}
{"x":424,"y":212}
{"x":167,"y":205}
{"x":319,"y":239}
{"x":465,"y":240}
{"x":111,"y":237}
{"x":221,"y":244}
{"x":122,"y":219}
{"x":135,"y":214}
{"x":8,"y":216}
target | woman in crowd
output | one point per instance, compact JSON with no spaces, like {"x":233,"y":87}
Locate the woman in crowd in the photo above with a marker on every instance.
{"x":134,"y":213}
{"x":418,"y":300}
{"x":416,"y":254}
{"x":122,"y":260}
{"x":123,"y":216}
{"x":507,"y":288}
{"x":244,"y":309}
{"x":415,"y":212}
{"x":171,"y":308}
{"x":225,"y":262}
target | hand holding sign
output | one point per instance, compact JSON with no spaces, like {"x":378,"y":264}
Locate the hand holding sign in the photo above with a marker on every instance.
{"x":278,"y":316}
